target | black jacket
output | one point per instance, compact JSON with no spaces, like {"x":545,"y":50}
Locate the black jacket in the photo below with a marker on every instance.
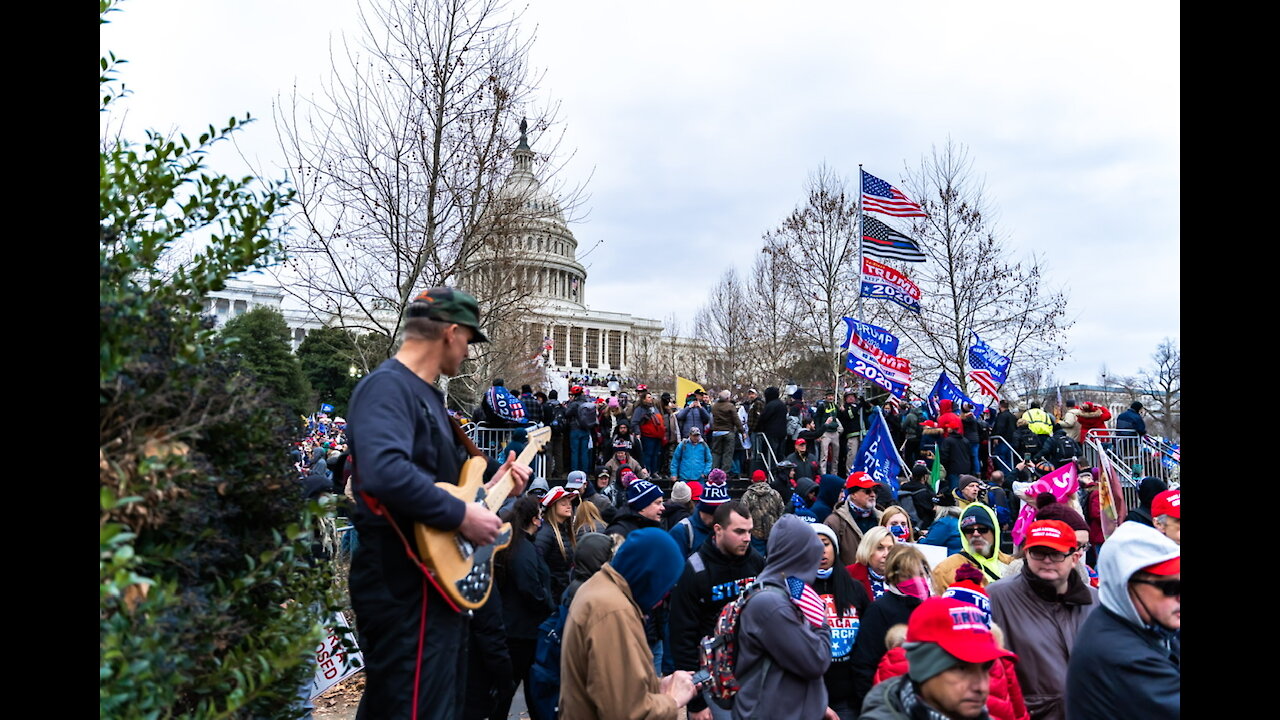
{"x":956,"y":456}
{"x":628,"y":520}
{"x":558,"y":564}
{"x":845,"y":629}
{"x":525,"y":585}
{"x":970,"y":425}
{"x":773,"y":421}
{"x":883,"y":614}
{"x":1006,"y":426}
{"x":698,"y":597}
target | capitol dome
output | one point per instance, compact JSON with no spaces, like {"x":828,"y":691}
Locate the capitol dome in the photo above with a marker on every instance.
{"x":535,"y":250}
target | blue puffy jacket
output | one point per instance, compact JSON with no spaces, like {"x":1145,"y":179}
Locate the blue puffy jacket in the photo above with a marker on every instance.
{"x":945,"y":532}
{"x":691,"y":461}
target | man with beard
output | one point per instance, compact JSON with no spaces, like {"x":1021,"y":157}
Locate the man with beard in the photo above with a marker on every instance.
{"x":980,"y":538}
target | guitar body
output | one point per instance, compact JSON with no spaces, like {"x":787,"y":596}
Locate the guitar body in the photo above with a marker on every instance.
{"x":463,"y":569}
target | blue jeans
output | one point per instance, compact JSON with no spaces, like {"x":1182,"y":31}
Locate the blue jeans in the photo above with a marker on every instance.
{"x":1005,"y":453}
{"x":977,"y":464}
{"x":579,"y":453}
{"x":652,"y":452}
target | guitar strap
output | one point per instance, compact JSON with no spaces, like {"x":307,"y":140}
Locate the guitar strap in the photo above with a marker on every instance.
{"x":377,"y":508}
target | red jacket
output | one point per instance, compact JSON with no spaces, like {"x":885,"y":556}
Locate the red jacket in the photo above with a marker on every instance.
{"x":1004,"y":701}
{"x":1093,"y":423}
{"x":948,"y":419}
{"x":859,"y":573}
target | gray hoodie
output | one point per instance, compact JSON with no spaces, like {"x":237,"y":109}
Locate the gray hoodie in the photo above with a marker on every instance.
{"x":1133,"y":546}
{"x":772,"y":628}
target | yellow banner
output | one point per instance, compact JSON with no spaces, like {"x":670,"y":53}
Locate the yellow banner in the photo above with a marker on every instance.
{"x":685,"y":386}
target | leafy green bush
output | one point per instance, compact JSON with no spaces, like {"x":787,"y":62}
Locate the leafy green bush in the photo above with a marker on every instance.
{"x":210,"y":603}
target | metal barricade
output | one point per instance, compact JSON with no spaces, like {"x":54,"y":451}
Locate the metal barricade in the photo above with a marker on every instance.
{"x":998,"y":461}
{"x":491,"y":440}
{"x":1133,"y":456}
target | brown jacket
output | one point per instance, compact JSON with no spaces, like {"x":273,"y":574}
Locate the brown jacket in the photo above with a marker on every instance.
{"x":606,"y":667}
{"x":847,"y":531}
{"x":724,"y":416}
{"x":944,"y":576}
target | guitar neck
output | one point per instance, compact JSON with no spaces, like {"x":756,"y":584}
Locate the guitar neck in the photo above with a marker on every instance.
{"x":501,"y":489}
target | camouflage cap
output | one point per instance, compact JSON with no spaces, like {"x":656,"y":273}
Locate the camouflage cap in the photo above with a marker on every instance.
{"x":446,"y":304}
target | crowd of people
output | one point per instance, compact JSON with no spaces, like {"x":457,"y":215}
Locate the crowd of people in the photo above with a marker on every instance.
{"x":633,"y":551}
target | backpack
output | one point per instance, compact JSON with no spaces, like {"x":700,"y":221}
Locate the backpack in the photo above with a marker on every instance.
{"x":544,"y":674}
{"x":1067,"y":448}
{"x":719,"y":650}
{"x":556,"y":420}
{"x":587,"y":416}
{"x":793,"y":426}
{"x":505,"y":405}
{"x":688,"y":527}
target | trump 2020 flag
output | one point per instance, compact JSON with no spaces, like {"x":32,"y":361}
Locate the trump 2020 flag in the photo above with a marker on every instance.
{"x":982,"y":357}
{"x":874,"y":334}
{"x":877,"y":456}
{"x":944,"y":389}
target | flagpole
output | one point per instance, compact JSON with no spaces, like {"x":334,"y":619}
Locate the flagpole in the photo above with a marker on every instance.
{"x":857,"y":381}
{"x":901,"y":463}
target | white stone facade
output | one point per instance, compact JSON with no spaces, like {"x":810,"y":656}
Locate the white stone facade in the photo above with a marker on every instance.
{"x":242,"y":295}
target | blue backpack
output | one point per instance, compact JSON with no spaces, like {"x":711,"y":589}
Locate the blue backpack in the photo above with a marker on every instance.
{"x":544,"y":675}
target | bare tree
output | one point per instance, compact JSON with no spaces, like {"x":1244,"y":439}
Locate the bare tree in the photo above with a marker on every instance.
{"x":724,"y":323}
{"x":399,"y":166}
{"x":1162,"y":388}
{"x":771,"y":319}
{"x":970,"y":282}
{"x":816,"y":250}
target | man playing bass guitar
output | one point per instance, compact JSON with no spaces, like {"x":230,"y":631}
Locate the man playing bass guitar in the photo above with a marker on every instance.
{"x":403,"y":443}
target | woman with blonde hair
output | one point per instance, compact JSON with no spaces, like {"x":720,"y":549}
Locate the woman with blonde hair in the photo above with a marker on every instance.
{"x":906,"y":575}
{"x":587,"y":519}
{"x":556,"y":541}
{"x":898,"y":521}
{"x":871,"y":555}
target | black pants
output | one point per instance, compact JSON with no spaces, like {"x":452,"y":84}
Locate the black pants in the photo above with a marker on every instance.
{"x":387,"y":593}
{"x":521,"y":660}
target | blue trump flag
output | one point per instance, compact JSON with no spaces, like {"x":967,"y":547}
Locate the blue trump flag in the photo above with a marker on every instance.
{"x":873,"y":334}
{"x":944,"y":389}
{"x":326,"y":408}
{"x":878,"y":457}
{"x":982,"y":357}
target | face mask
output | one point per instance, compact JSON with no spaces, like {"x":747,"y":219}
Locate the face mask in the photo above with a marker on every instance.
{"x":915,"y":587}
{"x":824,"y":574}
{"x":898,"y":530}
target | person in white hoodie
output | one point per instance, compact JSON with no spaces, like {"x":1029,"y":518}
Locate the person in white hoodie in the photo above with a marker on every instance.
{"x":1125,"y":663}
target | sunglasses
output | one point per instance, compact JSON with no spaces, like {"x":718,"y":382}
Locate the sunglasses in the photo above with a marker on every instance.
{"x":977,"y":529}
{"x":1051,"y":555}
{"x":1170,"y":588}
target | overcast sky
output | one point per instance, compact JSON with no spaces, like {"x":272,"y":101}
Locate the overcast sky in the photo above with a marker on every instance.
{"x":698,"y":124}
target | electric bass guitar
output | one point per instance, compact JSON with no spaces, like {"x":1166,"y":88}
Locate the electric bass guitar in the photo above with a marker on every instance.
{"x":463,"y":569}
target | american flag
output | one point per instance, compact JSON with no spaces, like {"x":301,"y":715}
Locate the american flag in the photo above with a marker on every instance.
{"x":985,"y":382}
{"x":808,"y":600}
{"x":895,"y":402}
{"x":880,"y":240}
{"x":879,"y":196}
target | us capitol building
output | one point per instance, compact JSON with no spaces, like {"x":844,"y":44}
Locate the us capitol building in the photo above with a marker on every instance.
{"x":539,"y":254}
